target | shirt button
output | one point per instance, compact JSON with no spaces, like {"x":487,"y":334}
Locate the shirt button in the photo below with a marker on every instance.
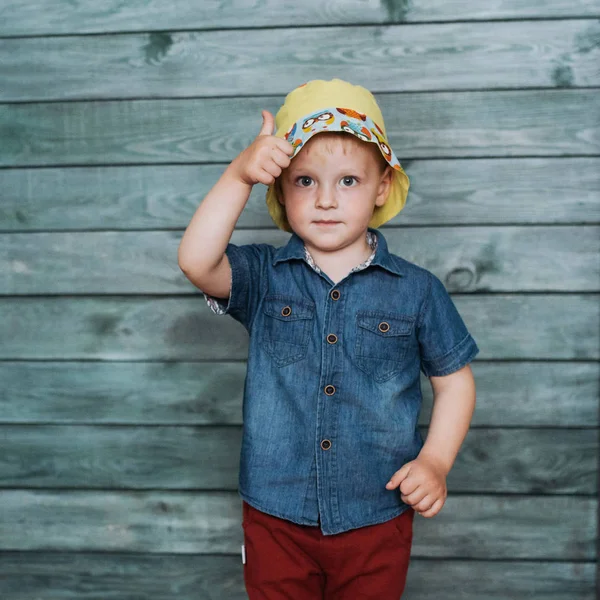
{"x":335,"y":294}
{"x":286,"y":311}
{"x":332,"y":338}
{"x":329,"y":390}
{"x":325,"y":444}
{"x":384,"y":326}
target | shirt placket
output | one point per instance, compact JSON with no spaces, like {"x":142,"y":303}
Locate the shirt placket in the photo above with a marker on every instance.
{"x":328,"y":403}
{"x":329,"y":396}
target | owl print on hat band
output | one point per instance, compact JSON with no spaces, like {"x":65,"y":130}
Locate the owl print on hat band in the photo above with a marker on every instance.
{"x":341,"y":119}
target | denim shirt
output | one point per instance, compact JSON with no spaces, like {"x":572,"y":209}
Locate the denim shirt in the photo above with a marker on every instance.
{"x":332,"y":391}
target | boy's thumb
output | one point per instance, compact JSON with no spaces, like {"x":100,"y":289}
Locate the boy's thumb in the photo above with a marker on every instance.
{"x":399,"y":476}
{"x":268,"y":124}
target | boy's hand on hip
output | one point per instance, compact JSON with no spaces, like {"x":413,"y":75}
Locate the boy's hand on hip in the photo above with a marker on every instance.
{"x":422,"y":485}
{"x":264,"y":159}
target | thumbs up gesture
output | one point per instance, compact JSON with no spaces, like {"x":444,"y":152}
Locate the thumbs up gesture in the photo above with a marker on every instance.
{"x":264,"y":159}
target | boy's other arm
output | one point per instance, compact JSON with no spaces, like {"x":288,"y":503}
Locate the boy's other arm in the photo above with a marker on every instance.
{"x":453,"y":406}
{"x":422,"y":481}
{"x":201,"y":254}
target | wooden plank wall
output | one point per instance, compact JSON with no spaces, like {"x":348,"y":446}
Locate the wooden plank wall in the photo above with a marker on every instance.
{"x":120,"y":403}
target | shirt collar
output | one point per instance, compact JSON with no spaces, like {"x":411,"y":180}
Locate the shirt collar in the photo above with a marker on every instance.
{"x":295,"y":249}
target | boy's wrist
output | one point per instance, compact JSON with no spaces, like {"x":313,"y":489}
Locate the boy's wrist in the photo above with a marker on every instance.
{"x":439,"y":458}
{"x":233,"y":174}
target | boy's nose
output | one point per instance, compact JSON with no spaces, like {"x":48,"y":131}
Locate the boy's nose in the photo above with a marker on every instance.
{"x":326,"y":198}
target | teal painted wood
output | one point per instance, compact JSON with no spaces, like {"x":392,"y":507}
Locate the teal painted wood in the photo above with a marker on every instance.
{"x":469,"y":526}
{"x":509,"y":162}
{"x":442,"y":192}
{"x":558,"y":53}
{"x":557,"y":461}
{"x":460,"y":580}
{"x":62,"y":16}
{"x":420,"y":125}
{"x":89,"y":576}
{"x":506,"y":326}
{"x":509,"y":394}
{"x":466,"y":259}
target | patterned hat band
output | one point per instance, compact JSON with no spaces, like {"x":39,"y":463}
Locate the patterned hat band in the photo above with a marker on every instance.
{"x":341,"y":119}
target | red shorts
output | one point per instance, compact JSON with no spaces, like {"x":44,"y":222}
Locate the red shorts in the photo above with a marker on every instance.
{"x":288,"y":561}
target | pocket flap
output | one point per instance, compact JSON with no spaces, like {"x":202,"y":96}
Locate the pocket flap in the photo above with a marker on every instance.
{"x":386,"y":325}
{"x":288,"y":308}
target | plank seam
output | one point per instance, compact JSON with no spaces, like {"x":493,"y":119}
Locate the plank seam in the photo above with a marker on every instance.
{"x":304,"y":26}
{"x":97,"y":100}
{"x":405,"y":159}
{"x":216,"y":425}
{"x":207,"y":490}
{"x":589,"y":224}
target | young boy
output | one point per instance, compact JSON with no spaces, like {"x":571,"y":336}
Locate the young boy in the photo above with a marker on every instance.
{"x":332,"y":465}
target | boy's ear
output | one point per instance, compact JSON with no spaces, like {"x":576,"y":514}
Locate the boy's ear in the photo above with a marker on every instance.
{"x":278,"y":191}
{"x":385,"y":186}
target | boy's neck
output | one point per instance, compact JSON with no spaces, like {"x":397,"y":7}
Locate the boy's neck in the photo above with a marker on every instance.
{"x":338,"y":263}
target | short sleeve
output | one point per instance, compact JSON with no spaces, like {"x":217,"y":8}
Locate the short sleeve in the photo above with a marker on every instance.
{"x":445,"y":343}
{"x":247,"y":278}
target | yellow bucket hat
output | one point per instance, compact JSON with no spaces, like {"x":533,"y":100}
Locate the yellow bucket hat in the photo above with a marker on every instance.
{"x":337,"y":105}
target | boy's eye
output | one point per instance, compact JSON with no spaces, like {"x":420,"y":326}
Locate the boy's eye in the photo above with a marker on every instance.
{"x":348,"y":181}
{"x":304,"y":181}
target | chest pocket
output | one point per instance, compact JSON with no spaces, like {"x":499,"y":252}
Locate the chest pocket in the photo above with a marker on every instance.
{"x":287,"y":325}
{"x":382,"y":342}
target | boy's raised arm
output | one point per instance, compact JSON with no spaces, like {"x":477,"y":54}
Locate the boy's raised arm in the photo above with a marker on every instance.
{"x":201,"y":255}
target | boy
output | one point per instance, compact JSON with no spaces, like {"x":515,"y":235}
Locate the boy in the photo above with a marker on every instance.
{"x":332,"y":465}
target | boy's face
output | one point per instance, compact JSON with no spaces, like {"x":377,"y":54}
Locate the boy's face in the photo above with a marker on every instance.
{"x":336,"y":178}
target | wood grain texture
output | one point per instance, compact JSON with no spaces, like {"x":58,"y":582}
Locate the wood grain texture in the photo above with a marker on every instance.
{"x":89,"y":576}
{"x":455,"y":56}
{"x":469,"y":526}
{"x":466,"y":259}
{"x":534,"y":461}
{"x":442,"y":192}
{"x":121,"y":393}
{"x":461,"y":124}
{"x":509,"y":394}
{"x":505,"y":326}
{"x":64,"y":16}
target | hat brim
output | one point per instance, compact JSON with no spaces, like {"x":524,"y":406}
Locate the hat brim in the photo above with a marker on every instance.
{"x":360,"y":125}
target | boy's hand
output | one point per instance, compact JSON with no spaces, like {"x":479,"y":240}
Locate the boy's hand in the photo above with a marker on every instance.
{"x":422,"y":485}
{"x":265,"y":158}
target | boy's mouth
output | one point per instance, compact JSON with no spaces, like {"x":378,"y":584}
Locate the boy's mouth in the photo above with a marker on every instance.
{"x":326,"y":222}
